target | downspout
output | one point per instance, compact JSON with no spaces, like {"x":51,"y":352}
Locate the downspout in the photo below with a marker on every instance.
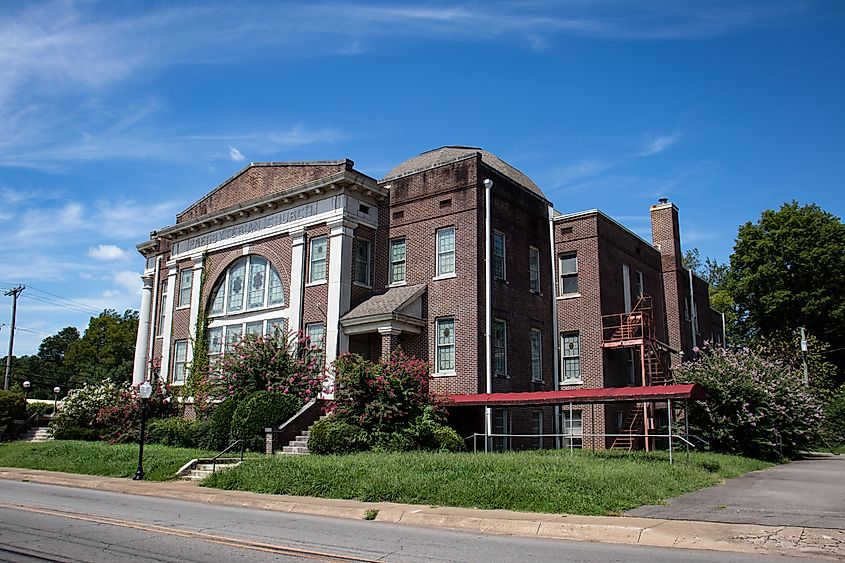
{"x":724,"y":332}
{"x":488,"y":309}
{"x":555,"y":334}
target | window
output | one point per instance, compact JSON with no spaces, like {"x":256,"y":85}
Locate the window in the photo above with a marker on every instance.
{"x":536,"y":355}
{"x":445,"y":353}
{"x":568,"y":274}
{"x":316,"y":333}
{"x":571,"y":428}
{"x":570,"y":351}
{"x":249,"y":284}
{"x":233,"y":336}
{"x":501,"y":426}
{"x":498,"y":255}
{"x":215,"y":341}
{"x":185,"y":280}
{"x":276,"y":327}
{"x":180,"y":361}
{"x":500,"y":348}
{"x":397,"y":260}
{"x":534,"y":270}
{"x":256,"y":327}
{"x":162,"y":307}
{"x":317,"y":268}
{"x":446,"y":251}
{"x":537,"y":428}
{"x":640,"y":285}
{"x":362,"y":261}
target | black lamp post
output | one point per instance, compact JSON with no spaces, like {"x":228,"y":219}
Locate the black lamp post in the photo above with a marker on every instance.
{"x":56,"y":391}
{"x":26,"y":385}
{"x":145,"y":390}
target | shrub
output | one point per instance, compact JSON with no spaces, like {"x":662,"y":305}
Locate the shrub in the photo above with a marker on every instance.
{"x":447,"y":439}
{"x":80,"y":408}
{"x":260,"y":410}
{"x":427,"y":432}
{"x":178,"y":432}
{"x":12,"y":404}
{"x":272,"y":363}
{"x":754,"y":406}
{"x":334,"y":435}
{"x":220,"y":425}
{"x":834,"y":427}
{"x":381,"y":397}
{"x":39,"y":408}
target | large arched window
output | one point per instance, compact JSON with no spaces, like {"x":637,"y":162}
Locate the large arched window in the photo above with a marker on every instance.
{"x":247,"y":299}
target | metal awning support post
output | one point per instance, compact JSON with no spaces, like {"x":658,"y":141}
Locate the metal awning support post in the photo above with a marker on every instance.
{"x":686,"y":426}
{"x":669,"y":405}
{"x":593,"y":427}
{"x":571,"y":441}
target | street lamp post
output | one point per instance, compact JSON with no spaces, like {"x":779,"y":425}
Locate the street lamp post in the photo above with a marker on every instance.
{"x":56,"y":391}
{"x":145,"y":390}
{"x":26,"y":385}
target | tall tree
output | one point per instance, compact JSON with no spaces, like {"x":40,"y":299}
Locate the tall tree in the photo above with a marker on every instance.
{"x":105,"y":351}
{"x":52,"y":352}
{"x":788,"y":271}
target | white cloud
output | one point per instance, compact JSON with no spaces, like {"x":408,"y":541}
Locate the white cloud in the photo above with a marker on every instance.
{"x":235,"y":155}
{"x":655,"y":144}
{"x":108,"y":252}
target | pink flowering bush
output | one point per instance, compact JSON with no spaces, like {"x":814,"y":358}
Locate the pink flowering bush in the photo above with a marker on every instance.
{"x":755,"y":406}
{"x":280,"y":364}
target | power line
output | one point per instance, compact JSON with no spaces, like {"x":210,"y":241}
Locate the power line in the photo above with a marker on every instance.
{"x":71,"y":301}
{"x":55,"y":303}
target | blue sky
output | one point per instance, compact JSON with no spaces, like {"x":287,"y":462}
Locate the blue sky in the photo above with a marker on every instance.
{"x":114,"y":116}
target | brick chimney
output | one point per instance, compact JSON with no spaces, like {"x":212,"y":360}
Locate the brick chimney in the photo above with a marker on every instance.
{"x":666,"y":235}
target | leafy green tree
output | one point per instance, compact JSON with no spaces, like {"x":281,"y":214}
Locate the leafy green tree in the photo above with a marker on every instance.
{"x":51,"y":354}
{"x":105,"y":351}
{"x":715,"y":273}
{"x":787,"y":271}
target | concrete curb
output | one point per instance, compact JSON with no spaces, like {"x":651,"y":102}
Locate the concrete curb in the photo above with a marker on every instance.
{"x":738,"y":538}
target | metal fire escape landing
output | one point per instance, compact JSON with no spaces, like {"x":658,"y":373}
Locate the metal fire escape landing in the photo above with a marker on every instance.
{"x":636,"y":330}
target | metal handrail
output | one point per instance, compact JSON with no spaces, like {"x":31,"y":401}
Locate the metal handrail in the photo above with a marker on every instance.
{"x":229,"y":447}
{"x":22,"y":424}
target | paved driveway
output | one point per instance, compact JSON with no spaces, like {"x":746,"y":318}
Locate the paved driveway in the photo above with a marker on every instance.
{"x":809,"y":492}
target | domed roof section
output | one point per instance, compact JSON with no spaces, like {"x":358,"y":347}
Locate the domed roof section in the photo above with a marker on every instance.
{"x":452,"y":153}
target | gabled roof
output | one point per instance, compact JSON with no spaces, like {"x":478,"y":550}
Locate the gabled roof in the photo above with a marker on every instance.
{"x":394,"y":300}
{"x":452,"y":153}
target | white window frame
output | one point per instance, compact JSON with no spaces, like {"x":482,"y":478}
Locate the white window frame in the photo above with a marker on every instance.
{"x":640,"y":285}
{"x":310,"y":330}
{"x":180,"y":362}
{"x":534,"y":269}
{"x":162,"y":308}
{"x":448,"y":347}
{"x":366,"y":265}
{"x":223,"y":285}
{"x":573,"y":434}
{"x":444,"y":254}
{"x":570,"y":358}
{"x":394,"y":263}
{"x":500,"y":348}
{"x":499,"y":258}
{"x":186,"y":279}
{"x":312,"y":261}
{"x":536,"y":346}
{"x":563,"y":276}
{"x":537,"y":427}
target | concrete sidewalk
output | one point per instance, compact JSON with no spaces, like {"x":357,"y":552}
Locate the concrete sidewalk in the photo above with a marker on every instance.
{"x":741,"y":538}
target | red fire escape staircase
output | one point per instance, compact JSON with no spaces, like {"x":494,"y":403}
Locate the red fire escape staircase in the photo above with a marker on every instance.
{"x":636,"y":330}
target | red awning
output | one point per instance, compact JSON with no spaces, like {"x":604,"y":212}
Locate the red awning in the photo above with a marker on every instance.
{"x":580,"y":396}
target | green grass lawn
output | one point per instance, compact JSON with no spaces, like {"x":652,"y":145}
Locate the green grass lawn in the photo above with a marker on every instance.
{"x":98,"y":458}
{"x":550,"y":481}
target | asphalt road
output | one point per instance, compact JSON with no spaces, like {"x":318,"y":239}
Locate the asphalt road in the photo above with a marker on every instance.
{"x":809,"y":492}
{"x":51,"y":523}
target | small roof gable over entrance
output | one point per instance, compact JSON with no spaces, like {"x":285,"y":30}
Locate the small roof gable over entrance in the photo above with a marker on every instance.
{"x":399,"y":308}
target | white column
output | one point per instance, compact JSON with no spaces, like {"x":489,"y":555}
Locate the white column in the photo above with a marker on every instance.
{"x":166,"y":344}
{"x":340,"y":286}
{"x":297,"y":281}
{"x":139,"y":368}
{"x":196,"y":282}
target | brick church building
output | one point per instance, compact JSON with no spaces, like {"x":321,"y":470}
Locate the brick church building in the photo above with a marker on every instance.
{"x":455,"y":256}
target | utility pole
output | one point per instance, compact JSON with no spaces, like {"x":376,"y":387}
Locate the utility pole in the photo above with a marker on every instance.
{"x":14,"y":292}
{"x":804,"y":348}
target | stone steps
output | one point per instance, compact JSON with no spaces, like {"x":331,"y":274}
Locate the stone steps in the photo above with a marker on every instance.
{"x":299,"y":445}
{"x":39,"y":434}
{"x":201,"y":470}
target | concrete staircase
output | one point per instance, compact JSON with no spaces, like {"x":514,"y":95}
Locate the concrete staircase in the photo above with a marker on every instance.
{"x":37,"y":434}
{"x":299,"y":445}
{"x":199,"y":469}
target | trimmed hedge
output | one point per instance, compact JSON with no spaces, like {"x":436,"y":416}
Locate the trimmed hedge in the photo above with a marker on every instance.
{"x":260,"y":410}
{"x":334,"y":435}
{"x":220,"y":425}
{"x":77,"y":433}
{"x":178,"y":432}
